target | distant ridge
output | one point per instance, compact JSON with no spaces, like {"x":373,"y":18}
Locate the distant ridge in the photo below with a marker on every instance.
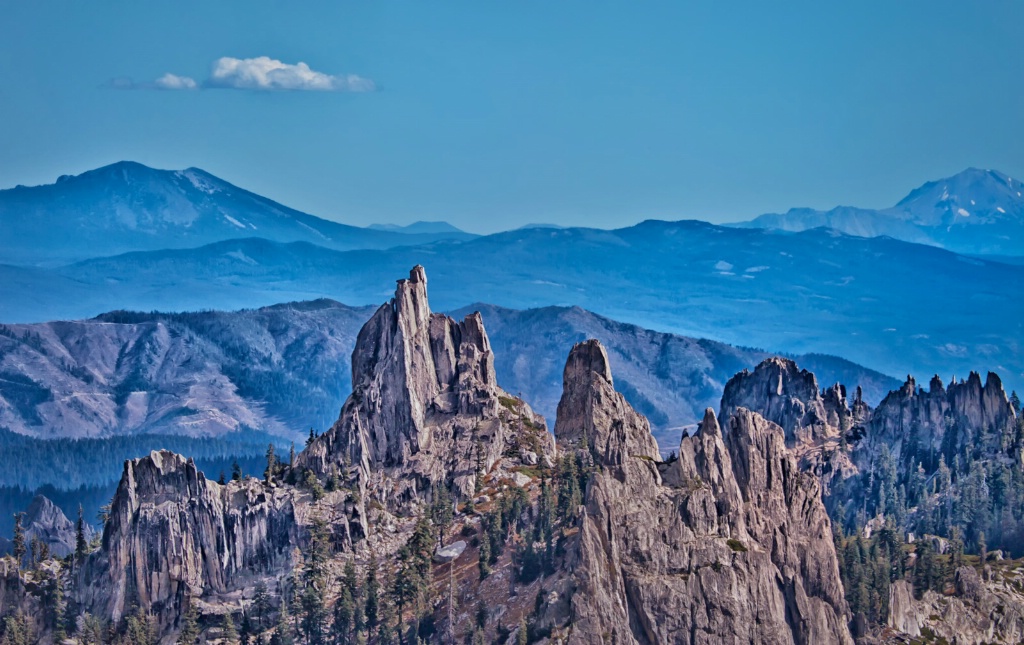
{"x":127,"y":206}
{"x":975,"y":212}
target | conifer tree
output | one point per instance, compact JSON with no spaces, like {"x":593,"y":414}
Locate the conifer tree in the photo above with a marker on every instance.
{"x":228,"y":633}
{"x":268,"y":474}
{"x":372,"y":593}
{"x":190,"y":625}
{"x":81,"y":546}
{"x":18,"y":543}
{"x":261,"y":602}
{"x":236,"y":471}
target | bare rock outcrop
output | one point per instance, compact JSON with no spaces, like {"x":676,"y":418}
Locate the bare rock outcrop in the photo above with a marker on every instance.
{"x":982,"y":609}
{"x":941,"y":420}
{"x":425,"y":408}
{"x":728,"y":544}
{"x":173,"y":534}
{"x":814,"y":421}
{"x":45,"y":522}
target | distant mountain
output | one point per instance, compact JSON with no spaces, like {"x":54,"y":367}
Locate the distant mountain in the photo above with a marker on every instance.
{"x":282,"y":369}
{"x":892,"y":306}
{"x":127,"y":206}
{"x":278,"y":370}
{"x":976,"y":212}
{"x":442,"y":228}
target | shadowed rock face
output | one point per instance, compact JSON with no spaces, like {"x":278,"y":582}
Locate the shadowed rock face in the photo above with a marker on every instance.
{"x":728,"y":544}
{"x":425,"y":400}
{"x":174,"y":534}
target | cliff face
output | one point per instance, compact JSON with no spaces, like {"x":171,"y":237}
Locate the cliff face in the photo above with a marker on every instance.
{"x":918,"y":424}
{"x":728,"y":544}
{"x":425,"y":407}
{"x":814,"y":421}
{"x":174,"y":534}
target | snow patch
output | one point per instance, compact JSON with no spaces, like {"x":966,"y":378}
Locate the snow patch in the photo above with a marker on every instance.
{"x":722,"y":265}
{"x":962,"y":212}
{"x":1000,"y":209}
{"x":233,"y":221}
{"x":199,"y":183}
{"x":757,"y":269}
{"x":241,"y":257}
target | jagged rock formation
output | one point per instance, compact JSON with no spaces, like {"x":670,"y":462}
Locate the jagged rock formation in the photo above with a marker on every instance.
{"x":425,"y":407}
{"x":923,"y":425}
{"x":45,"y":522}
{"x":728,"y":544}
{"x":814,"y":421}
{"x":172,"y":534}
{"x":986,"y":608}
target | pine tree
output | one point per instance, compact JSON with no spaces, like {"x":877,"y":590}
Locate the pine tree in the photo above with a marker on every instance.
{"x":81,"y":546}
{"x":18,"y":548}
{"x":344,"y":613}
{"x":372,"y":593}
{"x":268,"y":474}
{"x":141,"y":630}
{"x":236,"y":471}
{"x":485,"y":552}
{"x":91,"y":632}
{"x":228,"y":633}
{"x":283,"y":632}
{"x":314,"y":579}
{"x":17,"y":630}
{"x":190,"y":625}
{"x":441,"y":511}
{"x":291,"y":456}
{"x":54,"y":606}
{"x":221,"y":480}
{"x":261,"y":602}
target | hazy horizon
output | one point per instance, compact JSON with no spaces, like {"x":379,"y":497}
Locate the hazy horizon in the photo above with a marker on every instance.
{"x":492,"y":117}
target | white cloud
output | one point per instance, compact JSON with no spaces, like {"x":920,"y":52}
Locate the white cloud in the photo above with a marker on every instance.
{"x":265,"y":73}
{"x":262,"y":73}
{"x":174,"y":82}
{"x":165,"y":82}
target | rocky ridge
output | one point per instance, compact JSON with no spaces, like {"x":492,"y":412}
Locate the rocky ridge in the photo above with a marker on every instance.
{"x":174,"y":535}
{"x":727,"y":544}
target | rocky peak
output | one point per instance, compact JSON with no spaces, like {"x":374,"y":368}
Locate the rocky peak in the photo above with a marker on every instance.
{"x":664,"y":553}
{"x":591,"y":412}
{"x":786,"y":395}
{"x":45,"y":522}
{"x":424,"y":401}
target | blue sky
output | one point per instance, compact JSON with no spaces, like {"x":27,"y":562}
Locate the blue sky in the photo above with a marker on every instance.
{"x":496,"y":114}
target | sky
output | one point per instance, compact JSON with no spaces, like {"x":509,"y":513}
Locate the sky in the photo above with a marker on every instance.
{"x":491,"y":115}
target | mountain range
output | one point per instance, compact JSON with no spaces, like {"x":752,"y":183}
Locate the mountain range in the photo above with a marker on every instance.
{"x":127,"y":206}
{"x":975,"y":212}
{"x":890,"y":305}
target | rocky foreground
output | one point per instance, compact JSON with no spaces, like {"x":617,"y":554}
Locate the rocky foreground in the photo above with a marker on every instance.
{"x":438,"y":507}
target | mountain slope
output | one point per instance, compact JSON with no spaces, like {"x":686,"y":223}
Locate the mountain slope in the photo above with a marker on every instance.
{"x":977,"y":212}
{"x":285,"y":368}
{"x":888,"y":305}
{"x":127,"y":206}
